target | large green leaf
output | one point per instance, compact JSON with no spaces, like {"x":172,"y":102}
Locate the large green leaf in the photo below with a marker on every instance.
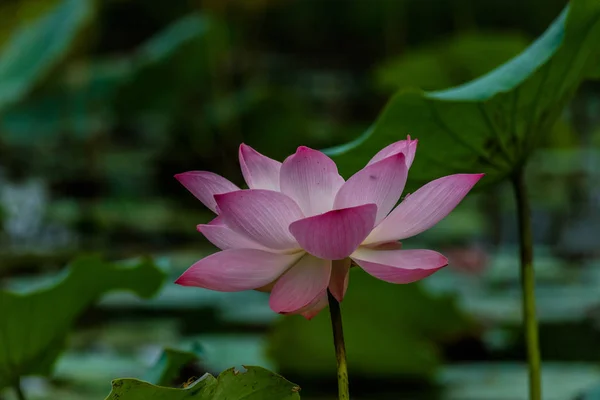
{"x":255,"y":383}
{"x":493,"y":123}
{"x":390,"y":330}
{"x":35,"y":323}
{"x":36,"y":47}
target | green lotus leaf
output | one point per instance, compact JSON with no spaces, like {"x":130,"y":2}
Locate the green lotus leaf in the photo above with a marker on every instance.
{"x":255,"y":383}
{"x":493,"y":123}
{"x":35,"y":323}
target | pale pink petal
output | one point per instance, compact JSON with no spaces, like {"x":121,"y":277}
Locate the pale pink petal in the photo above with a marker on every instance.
{"x":315,"y":307}
{"x":225,"y":238}
{"x":204,"y":185}
{"x":407,"y":147}
{"x":424,"y":208}
{"x":338,"y":284}
{"x":335,"y":234}
{"x":299,"y":286}
{"x":264,"y":216}
{"x":311,"y":179}
{"x":237,"y":269}
{"x":380,"y":183}
{"x":399,"y":266}
{"x":260,"y":172}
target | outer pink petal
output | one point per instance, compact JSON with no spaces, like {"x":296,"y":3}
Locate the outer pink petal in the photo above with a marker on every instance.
{"x":260,"y":172}
{"x":311,"y":179}
{"x":237,"y":269}
{"x":338,"y":284}
{"x":315,"y":307}
{"x":380,"y":183}
{"x":204,"y":185}
{"x":225,"y":238}
{"x":299,"y":286}
{"x":407,"y":147}
{"x":335,"y":234}
{"x":261,"y":215}
{"x":424,"y":208}
{"x":399,"y":266}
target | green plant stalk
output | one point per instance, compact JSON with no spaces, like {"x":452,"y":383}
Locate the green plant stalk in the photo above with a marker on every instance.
{"x":19,"y":390}
{"x":340,"y":347}
{"x":528,"y":286}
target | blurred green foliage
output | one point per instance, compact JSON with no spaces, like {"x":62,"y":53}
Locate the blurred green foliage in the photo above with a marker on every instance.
{"x":34,"y":49}
{"x":35,"y":323}
{"x":85,"y":101}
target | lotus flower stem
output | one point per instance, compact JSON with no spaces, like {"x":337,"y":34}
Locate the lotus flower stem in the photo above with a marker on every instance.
{"x":340,"y":347}
{"x":19,"y":390}
{"x":528,"y":287}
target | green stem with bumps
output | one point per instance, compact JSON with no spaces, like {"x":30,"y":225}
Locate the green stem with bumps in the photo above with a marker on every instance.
{"x":340,"y":347}
{"x":528,"y":287}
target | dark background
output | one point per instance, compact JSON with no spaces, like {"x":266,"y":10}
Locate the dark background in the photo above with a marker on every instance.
{"x":148,"y":89}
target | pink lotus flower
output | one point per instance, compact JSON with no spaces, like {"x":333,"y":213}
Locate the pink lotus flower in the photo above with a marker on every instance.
{"x":299,"y":226}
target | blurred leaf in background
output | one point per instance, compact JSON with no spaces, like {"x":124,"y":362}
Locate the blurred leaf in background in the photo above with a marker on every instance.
{"x":94,"y":108}
{"x":34,"y":49}
{"x":81,"y":101}
{"x":35,"y":323}
{"x":182,"y":54}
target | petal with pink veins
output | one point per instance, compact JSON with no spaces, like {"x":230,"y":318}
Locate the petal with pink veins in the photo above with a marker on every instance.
{"x":225,"y":238}
{"x":399,"y":266}
{"x":237,"y":269}
{"x":311,"y":179}
{"x":407,"y":147}
{"x":380,"y":183}
{"x":260,"y":172}
{"x":335,"y":234}
{"x":204,"y":185}
{"x":263,"y":216}
{"x":338,"y":284}
{"x":302,"y":284}
{"x":424,"y":208}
